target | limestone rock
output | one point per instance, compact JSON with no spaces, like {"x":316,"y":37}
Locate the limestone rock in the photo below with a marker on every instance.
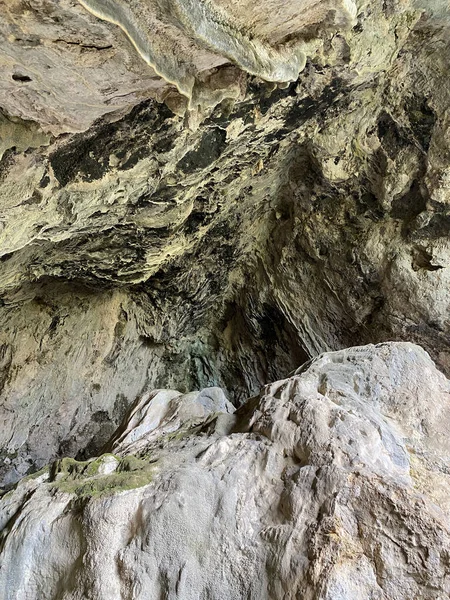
{"x":163,"y":412}
{"x":204,"y":195}
{"x":139,"y":253}
{"x":172,"y":36}
{"x":332,"y":484}
{"x":63,"y":69}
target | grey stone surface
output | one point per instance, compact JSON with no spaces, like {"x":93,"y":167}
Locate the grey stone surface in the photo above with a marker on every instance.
{"x":332,"y":484}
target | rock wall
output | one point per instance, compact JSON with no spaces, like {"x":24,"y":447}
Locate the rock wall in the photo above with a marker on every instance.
{"x":333,"y":483}
{"x":208,"y":195}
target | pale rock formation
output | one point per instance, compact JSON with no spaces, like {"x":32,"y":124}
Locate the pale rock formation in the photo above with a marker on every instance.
{"x":63,"y":69}
{"x":170,"y":34}
{"x":163,"y":412}
{"x":333,"y":484}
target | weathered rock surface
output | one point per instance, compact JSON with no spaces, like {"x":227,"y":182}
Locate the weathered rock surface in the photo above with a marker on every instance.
{"x":206,"y":194}
{"x":333,"y":484}
{"x":138,"y":253}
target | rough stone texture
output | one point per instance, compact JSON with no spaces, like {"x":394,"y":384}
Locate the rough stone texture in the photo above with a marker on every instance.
{"x":63,"y":69}
{"x":171,"y":37}
{"x":333,"y":484}
{"x":206,"y":194}
{"x":138,"y":252}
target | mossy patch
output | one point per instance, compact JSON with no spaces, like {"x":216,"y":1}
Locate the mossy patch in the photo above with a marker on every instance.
{"x":82,"y":478}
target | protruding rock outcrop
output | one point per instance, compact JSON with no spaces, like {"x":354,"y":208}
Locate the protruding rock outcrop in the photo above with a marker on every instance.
{"x":172,"y":36}
{"x":331,"y":484}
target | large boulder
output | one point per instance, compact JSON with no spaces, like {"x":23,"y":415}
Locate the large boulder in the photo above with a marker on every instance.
{"x":332,"y":484}
{"x":149,"y":243}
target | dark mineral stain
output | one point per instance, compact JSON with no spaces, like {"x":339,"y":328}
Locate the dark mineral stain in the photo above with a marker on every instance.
{"x":437,"y":227}
{"x":410,"y":205}
{"x":210,"y":148}
{"x":392,"y":137}
{"x":101,"y":416}
{"x":164,"y":144}
{"x":422,"y":260}
{"x":44,"y":181}
{"x":421,"y":119}
{"x":267,"y":100}
{"x":82,"y":157}
{"x":35,"y":198}
{"x":308,"y":107}
{"x":369,"y":205}
{"x":195,"y":220}
{"x":6,"y":162}
{"x":87,"y":157}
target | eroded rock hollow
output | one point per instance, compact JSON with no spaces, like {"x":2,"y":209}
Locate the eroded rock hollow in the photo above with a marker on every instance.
{"x":207,"y":195}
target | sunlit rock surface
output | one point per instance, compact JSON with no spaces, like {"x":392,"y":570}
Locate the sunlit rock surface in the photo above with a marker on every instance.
{"x":331,"y":484}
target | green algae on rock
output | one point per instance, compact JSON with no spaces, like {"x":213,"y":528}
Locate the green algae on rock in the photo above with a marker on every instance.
{"x":89,"y":479}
